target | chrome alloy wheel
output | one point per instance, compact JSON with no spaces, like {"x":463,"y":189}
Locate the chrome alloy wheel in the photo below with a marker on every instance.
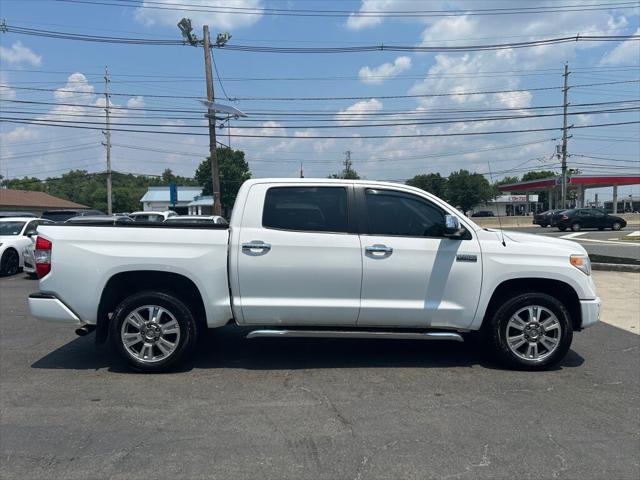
{"x":150,"y":333}
{"x":533,"y":333}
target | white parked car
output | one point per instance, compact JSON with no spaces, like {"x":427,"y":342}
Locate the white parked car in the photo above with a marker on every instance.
{"x":318,"y":258}
{"x":152,"y":216}
{"x":15,"y":236}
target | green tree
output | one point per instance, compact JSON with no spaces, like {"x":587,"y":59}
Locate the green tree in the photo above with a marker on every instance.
{"x":168,"y":177}
{"x":507,"y":181}
{"x":538,"y":175}
{"x":432,"y":183}
{"x":466,"y":189}
{"x":26,"y":183}
{"x":347,"y":173}
{"x":234,"y":171}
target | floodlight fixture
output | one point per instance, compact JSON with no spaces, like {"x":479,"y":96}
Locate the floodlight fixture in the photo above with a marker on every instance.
{"x":222,"y":39}
{"x":187,"y":31}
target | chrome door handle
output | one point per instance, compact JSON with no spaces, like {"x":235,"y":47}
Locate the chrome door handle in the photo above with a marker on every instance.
{"x":256,"y":246}
{"x":378,"y":249}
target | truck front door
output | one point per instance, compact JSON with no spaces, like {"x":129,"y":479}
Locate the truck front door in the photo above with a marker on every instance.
{"x":413,"y":276}
{"x":298,"y":256}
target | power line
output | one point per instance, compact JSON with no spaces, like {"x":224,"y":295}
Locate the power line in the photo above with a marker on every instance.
{"x":322,"y":50}
{"x":343,"y":125}
{"x":37,"y":153}
{"x":323,"y":113}
{"x":604,"y":158}
{"x":380,"y":97}
{"x":488,"y":73}
{"x":315,"y":137}
{"x":216,"y":8}
{"x":369,"y":159}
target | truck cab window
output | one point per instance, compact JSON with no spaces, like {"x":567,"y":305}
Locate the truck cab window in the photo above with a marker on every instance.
{"x":317,"y":209}
{"x":401,"y":214}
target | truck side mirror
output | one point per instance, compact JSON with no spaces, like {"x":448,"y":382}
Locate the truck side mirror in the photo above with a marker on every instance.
{"x":452,"y":227}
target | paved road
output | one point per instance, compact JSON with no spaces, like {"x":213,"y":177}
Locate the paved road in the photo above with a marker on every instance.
{"x":606,"y":242}
{"x":297,"y":409}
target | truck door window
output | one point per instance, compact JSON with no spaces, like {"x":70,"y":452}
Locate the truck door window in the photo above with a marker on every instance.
{"x":402,"y":214}
{"x":316,"y":209}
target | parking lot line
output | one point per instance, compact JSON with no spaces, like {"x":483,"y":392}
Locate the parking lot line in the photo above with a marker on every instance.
{"x":573,"y":235}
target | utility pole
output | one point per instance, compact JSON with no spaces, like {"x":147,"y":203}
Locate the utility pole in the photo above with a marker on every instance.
{"x":213,"y":155}
{"x":107,"y":135}
{"x":187,"y":32}
{"x":564,"y":135}
{"x":347,"y":161}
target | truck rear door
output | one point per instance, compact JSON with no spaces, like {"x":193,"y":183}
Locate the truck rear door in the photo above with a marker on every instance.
{"x":298,"y":256}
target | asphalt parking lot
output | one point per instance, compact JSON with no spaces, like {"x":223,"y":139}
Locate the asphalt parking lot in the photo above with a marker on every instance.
{"x":332,"y":409}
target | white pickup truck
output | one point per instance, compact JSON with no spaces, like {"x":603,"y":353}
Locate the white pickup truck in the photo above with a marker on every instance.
{"x":317,"y":258}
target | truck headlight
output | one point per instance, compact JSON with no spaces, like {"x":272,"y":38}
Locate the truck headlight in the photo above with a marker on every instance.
{"x":581,"y":262}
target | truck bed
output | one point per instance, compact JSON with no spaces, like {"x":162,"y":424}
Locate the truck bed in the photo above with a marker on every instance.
{"x":89,"y":256}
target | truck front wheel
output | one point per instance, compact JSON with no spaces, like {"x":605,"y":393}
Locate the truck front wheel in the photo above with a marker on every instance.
{"x":152,"y":331}
{"x":531,"y":331}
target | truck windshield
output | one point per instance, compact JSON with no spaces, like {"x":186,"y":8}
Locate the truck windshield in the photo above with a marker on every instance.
{"x":11,"y":228}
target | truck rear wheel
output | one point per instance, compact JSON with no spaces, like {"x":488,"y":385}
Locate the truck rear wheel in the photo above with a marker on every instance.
{"x":532,"y":331}
{"x":152,"y":331}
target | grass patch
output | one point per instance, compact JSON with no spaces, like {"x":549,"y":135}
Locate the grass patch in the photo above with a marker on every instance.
{"x":617,"y":260}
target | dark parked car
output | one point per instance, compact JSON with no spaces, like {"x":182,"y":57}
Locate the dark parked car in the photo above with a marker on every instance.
{"x":578,"y":218}
{"x":544,"y":219}
{"x":64,"y":215}
{"x":483,"y":213}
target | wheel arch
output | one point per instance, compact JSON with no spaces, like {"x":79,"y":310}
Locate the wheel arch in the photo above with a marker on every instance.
{"x":556,"y":288}
{"x":124,"y":284}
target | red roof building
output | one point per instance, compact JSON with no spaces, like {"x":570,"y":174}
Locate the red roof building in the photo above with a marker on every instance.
{"x":36,"y":202}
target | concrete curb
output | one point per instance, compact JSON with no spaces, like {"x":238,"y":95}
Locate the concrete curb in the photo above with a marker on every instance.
{"x":615,"y":267}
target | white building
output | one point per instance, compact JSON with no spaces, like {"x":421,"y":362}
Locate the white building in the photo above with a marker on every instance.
{"x":190,"y":200}
{"x":507,"y":205}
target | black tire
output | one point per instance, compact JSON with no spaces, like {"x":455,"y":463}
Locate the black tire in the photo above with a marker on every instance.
{"x":576,"y":227}
{"x":496,"y":330}
{"x":9,"y":263}
{"x":601,"y":228}
{"x":616,"y":226}
{"x":562,"y":229}
{"x":543,"y":225}
{"x":186,"y":340}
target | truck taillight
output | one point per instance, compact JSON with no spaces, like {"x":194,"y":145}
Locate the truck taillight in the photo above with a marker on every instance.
{"x":42,"y":256}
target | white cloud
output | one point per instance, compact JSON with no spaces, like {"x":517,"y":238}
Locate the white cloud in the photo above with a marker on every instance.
{"x":77,"y":88}
{"x":18,"y":54}
{"x":379,"y":74}
{"x":6,"y":92}
{"x":19,"y":134}
{"x":358,"y":111}
{"x":171,"y":14}
{"x":136,"y":102}
{"x":626,"y":52}
{"x":362,"y":20}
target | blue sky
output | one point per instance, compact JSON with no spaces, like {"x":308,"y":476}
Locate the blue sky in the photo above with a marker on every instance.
{"x":138,"y":72}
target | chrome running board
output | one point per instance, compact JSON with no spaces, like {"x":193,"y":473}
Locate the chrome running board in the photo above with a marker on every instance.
{"x":356,"y":334}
